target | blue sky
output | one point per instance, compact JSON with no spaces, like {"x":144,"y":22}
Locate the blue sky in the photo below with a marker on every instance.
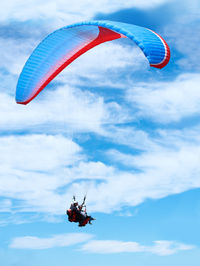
{"x":109,"y":126}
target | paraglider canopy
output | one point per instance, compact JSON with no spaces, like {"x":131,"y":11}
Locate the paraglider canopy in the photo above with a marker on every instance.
{"x":63,"y":46}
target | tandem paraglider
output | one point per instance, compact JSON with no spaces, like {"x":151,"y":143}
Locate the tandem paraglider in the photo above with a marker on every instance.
{"x":60,"y":48}
{"x":78,"y":214}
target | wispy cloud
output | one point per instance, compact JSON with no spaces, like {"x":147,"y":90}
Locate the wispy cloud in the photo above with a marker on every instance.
{"x":161,"y":248}
{"x":63,"y":240}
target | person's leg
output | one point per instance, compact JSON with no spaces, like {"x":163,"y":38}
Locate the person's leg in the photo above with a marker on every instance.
{"x":91,"y":219}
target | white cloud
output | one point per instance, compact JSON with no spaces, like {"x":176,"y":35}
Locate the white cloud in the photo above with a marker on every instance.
{"x":60,"y":111}
{"x":129,"y":136}
{"x":164,"y":248}
{"x":61,"y":11}
{"x":169,"y":165}
{"x":43,"y":171}
{"x":63,"y":240}
{"x":161,"y":248}
{"x":111,"y":246}
{"x":167,"y":101}
{"x":33,"y":167}
{"x":38,"y":152}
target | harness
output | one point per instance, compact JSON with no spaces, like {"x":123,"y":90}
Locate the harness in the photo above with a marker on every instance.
{"x":71,"y":216}
{"x":85,"y":221}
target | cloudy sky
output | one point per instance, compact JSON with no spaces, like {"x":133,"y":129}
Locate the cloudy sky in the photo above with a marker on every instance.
{"x":109,"y":126}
